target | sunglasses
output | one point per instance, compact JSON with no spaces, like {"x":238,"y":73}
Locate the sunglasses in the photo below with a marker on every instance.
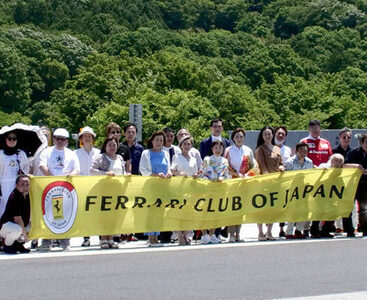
{"x":115,"y":132}
{"x":60,"y":139}
{"x":11,"y":138}
{"x":346,"y":137}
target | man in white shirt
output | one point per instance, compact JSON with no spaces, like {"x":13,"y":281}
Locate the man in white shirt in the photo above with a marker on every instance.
{"x":58,"y":161}
{"x":86,"y":154}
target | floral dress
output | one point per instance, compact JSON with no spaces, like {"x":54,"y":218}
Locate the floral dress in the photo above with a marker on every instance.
{"x":214,"y":168}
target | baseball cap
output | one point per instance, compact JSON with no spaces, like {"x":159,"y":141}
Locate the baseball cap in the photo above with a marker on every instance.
{"x":62,"y":132}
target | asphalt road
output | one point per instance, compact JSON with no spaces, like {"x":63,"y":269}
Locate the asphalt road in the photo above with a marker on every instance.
{"x":265,"y":271}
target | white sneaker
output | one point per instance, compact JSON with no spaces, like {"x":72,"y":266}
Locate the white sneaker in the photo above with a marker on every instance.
{"x":232,"y":239}
{"x":174,"y":236}
{"x":214,"y":240}
{"x":205,"y":239}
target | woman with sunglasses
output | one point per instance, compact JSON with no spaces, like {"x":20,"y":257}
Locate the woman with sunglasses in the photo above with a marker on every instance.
{"x":13,"y":162}
{"x":113,"y":130}
{"x":344,"y":224}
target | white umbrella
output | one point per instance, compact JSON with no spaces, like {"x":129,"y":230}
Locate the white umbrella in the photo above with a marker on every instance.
{"x":30,"y":138}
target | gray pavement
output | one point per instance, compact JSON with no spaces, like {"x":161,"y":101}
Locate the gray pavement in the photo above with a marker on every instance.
{"x":249,"y":270}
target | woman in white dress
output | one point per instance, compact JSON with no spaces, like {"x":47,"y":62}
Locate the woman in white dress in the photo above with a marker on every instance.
{"x":184,"y":164}
{"x":12,"y":162}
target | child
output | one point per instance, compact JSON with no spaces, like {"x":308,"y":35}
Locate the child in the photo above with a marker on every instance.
{"x":215,"y":168}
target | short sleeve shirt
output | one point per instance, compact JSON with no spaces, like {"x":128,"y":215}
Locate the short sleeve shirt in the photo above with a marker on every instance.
{"x":85,"y":159}
{"x":122,"y":150}
{"x":17,"y":206}
{"x":319,"y":150}
{"x":59,"y":162}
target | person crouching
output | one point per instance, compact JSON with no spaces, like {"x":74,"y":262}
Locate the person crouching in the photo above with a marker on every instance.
{"x":15,"y":222}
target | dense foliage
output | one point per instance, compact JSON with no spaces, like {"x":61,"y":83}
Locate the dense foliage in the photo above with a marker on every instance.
{"x":251,"y":62}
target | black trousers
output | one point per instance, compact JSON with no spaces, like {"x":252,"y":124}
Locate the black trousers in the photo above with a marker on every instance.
{"x":362,"y":201}
{"x":326,"y":228}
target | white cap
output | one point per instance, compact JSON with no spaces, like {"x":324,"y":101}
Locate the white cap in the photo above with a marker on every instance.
{"x":87,"y":129}
{"x":61,"y":132}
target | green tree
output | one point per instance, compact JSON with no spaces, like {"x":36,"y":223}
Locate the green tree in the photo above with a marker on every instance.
{"x":14,"y":84}
{"x":9,"y":119}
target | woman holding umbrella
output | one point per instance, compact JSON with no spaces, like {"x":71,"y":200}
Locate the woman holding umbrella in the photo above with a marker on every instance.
{"x":13,"y":162}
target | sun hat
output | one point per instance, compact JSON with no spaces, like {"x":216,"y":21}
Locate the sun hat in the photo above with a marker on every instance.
{"x":87,"y":129}
{"x":187,"y":137}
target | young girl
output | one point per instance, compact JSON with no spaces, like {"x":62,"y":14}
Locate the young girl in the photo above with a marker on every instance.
{"x":215,"y":168}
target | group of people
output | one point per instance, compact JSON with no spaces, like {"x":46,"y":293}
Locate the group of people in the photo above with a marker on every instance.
{"x":216,"y":159}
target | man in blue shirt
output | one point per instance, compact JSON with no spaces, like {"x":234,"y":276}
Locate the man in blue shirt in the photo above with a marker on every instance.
{"x":136,"y":149}
{"x":130,"y":131}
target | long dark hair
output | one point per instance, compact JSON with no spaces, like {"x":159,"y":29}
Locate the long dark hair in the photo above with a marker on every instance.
{"x":260,"y":139}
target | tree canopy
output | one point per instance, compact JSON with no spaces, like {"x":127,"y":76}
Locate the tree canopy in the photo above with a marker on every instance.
{"x":251,"y":63}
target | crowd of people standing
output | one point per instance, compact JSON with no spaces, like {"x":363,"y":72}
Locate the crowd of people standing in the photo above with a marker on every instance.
{"x":216,"y":159}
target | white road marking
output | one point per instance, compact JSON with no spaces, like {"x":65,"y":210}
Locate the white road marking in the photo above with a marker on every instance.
{"x":342,"y":296}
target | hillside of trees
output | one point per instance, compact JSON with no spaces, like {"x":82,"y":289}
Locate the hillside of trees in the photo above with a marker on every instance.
{"x":250,"y":62}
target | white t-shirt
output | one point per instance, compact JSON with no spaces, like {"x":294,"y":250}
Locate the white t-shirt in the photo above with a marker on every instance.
{"x":59,"y":162}
{"x":117,"y":166}
{"x":182,"y":164}
{"x":285,"y":152}
{"x":10,"y":174}
{"x":85,"y":159}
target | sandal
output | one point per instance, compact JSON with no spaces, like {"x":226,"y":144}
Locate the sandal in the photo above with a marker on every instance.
{"x":262,"y":238}
{"x":269,"y":237}
{"x":111,"y":244}
{"x":104,"y":245}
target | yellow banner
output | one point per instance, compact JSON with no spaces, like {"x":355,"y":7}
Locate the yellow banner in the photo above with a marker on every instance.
{"x":64,"y":207}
